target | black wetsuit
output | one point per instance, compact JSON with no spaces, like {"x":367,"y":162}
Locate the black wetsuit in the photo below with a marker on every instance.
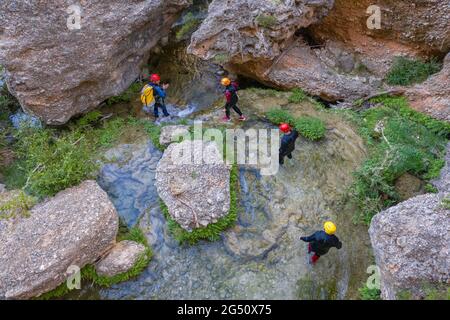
{"x":288,"y":145}
{"x":232,"y":100}
{"x":321,"y":242}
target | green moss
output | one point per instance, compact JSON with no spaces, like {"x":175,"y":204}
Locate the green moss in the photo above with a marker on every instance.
{"x":211,"y":232}
{"x":266,"y":21}
{"x":18,"y":205}
{"x":277,"y":116}
{"x":310,"y":127}
{"x":369,"y":294}
{"x":405,"y":71}
{"x":446,"y":203}
{"x":58,"y":292}
{"x":190,"y":24}
{"x":430,"y":188}
{"x":297,"y":96}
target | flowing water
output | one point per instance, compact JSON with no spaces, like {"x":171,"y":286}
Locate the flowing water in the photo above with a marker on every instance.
{"x":262,"y":256}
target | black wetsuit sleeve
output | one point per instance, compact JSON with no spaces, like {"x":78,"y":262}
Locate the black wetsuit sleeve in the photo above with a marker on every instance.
{"x":337,"y":243}
{"x":310,"y":238}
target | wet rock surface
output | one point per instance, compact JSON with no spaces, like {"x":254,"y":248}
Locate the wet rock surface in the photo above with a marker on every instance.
{"x":75,"y":227}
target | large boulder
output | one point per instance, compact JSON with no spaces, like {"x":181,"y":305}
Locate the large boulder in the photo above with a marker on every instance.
{"x":324,"y":47}
{"x":194,"y":183}
{"x":75,"y":227}
{"x":120,"y":259}
{"x":411,"y":243}
{"x":56,"y":72}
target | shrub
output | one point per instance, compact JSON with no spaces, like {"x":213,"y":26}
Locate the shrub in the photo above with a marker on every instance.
{"x":369,"y":294}
{"x":297,"y":96}
{"x":53,"y":163}
{"x":310,"y":127}
{"x":212,"y":231}
{"x":190,"y":24}
{"x":277,"y":116}
{"x":405,"y":71}
{"x":400,"y":141}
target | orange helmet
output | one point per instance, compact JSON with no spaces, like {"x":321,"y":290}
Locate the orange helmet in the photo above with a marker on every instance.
{"x":225,"y":82}
{"x":155,"y":77}
{"x":285,"y":127}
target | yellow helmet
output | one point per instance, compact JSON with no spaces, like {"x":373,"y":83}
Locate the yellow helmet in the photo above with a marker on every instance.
{"x":329,"y":227}
{"x":225,"y":82}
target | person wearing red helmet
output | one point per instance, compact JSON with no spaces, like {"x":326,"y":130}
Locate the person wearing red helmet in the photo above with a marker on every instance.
{"x":287,"y":142}
{"x":160,"y":95}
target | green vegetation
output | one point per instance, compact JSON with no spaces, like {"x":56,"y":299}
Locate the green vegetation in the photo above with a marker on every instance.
{"x":8,"y":103}
{"x":17,"y":205}
{"x":400,"y":140}
{"x":369,"y":294}
{"x":50,"y":161}
{"x":405,"y":71}
{"x":446,"y":203}
{"x":127,"y":95}
{"x":190,"y":24}
{"x":310,"y":127}
{"x":430,"y":188}
{"x":211,"y":232}
{"x":266,"y":20}
{"x":297,"y":96}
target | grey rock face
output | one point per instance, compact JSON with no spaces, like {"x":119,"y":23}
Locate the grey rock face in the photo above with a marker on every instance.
{"x":75,"y":227}
{"x":196,"y":194}
{"x":120,"y":259}
{"x":411,"y":243}
{"x":169,"y":134}
{"x":433,"y":96}
{"x":56,"y":72}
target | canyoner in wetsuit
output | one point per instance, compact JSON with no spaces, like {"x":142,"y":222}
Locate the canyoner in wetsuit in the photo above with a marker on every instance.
{"x":287,"y":142}
{"x":231,"y":99}
{"x":320,"y":242}
{"x":159,"y":93}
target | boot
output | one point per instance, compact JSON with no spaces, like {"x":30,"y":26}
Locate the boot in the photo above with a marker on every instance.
{"x":314,"y":259}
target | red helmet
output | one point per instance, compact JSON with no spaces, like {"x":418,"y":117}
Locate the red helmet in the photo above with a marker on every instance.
{"x":155,"y":77}
{"x":285,"y":127}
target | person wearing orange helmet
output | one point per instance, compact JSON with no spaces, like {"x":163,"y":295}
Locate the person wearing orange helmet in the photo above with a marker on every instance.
{"x":321,"y":241}
{"x":232,"y":99}
{"x":160,"y":95}
{"x":287,"y":142}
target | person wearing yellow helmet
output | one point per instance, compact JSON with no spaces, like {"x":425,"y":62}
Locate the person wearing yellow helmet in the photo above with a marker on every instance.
{"x":321,"y":241}
{"x":232,"y":99}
